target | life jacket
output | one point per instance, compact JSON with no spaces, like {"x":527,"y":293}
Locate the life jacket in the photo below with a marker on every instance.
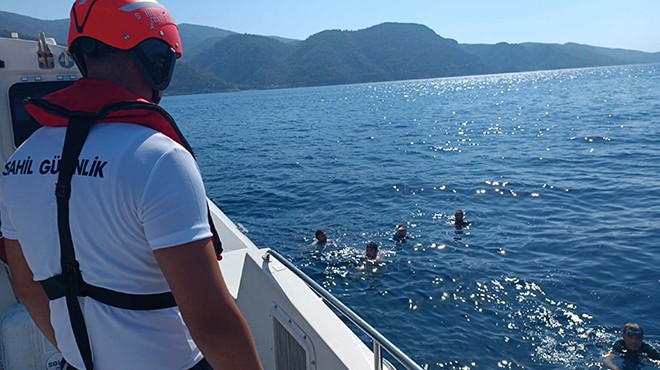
{"x":78,"y":107}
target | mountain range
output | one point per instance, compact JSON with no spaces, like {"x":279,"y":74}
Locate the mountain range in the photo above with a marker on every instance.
{"x":218,"y":60}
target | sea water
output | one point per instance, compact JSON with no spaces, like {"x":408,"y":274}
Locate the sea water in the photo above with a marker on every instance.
{"x":557,"y":171}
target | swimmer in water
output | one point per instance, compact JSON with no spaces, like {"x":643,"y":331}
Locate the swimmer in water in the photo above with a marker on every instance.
{"x":459,"y":222}
{"x":629,"y":347}
{"x":401,"y":233}
{"x":372,"y":251}
{"x":372,"y":257}
{"x":321,"y":237}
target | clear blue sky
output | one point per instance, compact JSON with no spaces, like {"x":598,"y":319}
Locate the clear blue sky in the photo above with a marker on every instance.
{"x":628,"y":24}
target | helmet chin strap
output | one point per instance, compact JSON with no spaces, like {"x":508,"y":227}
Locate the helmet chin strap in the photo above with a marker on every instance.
{"x":156,"y":95}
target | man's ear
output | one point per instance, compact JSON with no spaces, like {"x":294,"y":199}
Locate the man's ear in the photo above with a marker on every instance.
{"x":88,"y":45}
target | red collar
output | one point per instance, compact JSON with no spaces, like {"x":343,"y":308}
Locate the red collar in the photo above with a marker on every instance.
{"x":91,"y":96}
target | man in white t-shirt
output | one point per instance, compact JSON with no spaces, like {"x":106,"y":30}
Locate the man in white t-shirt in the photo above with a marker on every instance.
{"x":137,"y":210}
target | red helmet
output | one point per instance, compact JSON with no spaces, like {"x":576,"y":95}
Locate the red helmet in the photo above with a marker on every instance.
{"x":123,"y":23}
{"x":143,"y":27}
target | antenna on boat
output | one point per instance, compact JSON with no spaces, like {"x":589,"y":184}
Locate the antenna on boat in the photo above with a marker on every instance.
{"x":44,"y":55}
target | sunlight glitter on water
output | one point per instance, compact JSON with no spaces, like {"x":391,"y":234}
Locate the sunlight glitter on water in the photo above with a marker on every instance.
{"x":563,"y":161}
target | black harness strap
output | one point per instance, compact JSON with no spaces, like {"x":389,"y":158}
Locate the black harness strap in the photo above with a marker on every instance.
{"x":55,"y":288}
{"x":76,"y":133}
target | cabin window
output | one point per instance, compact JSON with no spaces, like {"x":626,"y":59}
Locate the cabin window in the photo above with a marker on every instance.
{"x":23,"y":125}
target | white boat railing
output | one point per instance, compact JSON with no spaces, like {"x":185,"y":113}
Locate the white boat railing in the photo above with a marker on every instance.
{"x":379,"y":341}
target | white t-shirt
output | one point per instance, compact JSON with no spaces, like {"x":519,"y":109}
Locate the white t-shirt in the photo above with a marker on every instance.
{"x":135,"y":191}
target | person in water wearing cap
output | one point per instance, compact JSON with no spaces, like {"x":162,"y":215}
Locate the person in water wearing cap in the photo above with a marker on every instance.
{"x":137,"y":220}
{"x":401,"y":233}
{"x":630,"y":347}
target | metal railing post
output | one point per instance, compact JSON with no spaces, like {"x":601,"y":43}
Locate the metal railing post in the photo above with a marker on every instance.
{"x":378,"y":356}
